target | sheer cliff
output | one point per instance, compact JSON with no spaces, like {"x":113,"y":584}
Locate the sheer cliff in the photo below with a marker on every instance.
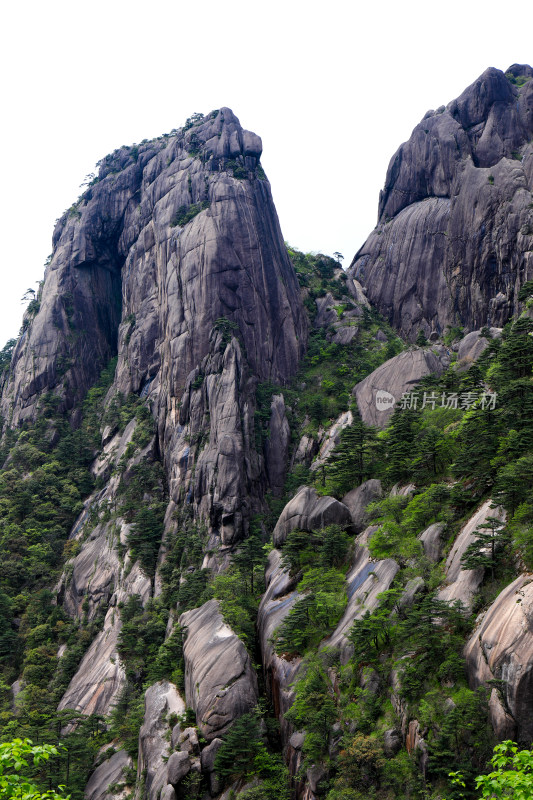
{"x":454,"y":237}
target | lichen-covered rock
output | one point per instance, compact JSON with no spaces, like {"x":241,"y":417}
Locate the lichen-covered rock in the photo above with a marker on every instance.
{"x":461,"y":584}
{"x":501,"y":649}
{"x":160,"y":701}
{"x":466,"y":167}
{"x":357,"y":500}
{"x":396,"y":376}
{"x":220,"y":683}
{"x":109,"y":772}
{"x":307,"y":512}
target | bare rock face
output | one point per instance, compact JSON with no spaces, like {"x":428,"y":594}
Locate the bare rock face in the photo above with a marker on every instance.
{"x":160,"y":701}
{"x":472,"y":346}
{"x":365,"y":580}
{"x":454,"y":237}
{"x":174,"y":259}
{"x":110,"y":771}
{"x":220,"y":683}
{"x":432,"y":542}
{"x":306,"y":512}
{"x":461,"y":584}
{"x":331,"y":438}
{"x":357,"y":500}
{"x":501,"y":649}
{"x":377,"y":394}
{"x":278,"y":600}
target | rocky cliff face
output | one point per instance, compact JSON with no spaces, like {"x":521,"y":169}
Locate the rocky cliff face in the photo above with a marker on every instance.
{"x":174,"y":259}
{"x":454,"y":239}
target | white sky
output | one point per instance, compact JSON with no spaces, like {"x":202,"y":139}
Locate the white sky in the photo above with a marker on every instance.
{"x":332,"y":88}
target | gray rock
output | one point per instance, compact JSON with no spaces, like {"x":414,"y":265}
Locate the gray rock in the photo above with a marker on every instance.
{"x":208,"y":758}
{"x":392,"y":742}
{"x":168,"y":793}
{"x":160,"y":701}
{"x":277,"y":445}
{"x":307,"y":511}
{"x":395,"y":377}
{"x":188,"y":741}
{"x":465,"y":168}
{"x":461,"y":584}
{"x":501,"y":649}
{"x":432,"y":542}
{"x":297,"y":740}
{"x":359,"y":498}
{"x":220,"y":682}
{"x":412,"y":588}
{"x":178,"y":766}
{"x":364,"y":582}
{"x":472,"y":346}
{"x":331,"y":438}
{"x":110,"y":771}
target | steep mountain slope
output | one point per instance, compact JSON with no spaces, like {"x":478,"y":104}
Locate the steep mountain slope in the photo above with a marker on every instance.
{"x":455,"y":227}
{"x":218,"y":579}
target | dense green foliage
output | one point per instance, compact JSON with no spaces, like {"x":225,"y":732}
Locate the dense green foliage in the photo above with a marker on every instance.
{"x":17,"y":759}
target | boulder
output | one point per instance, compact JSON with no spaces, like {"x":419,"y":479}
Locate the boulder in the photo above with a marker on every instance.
{"x":307,"y":511}
{"x":359,"y":498}
{"x":208,"y":758}
{"x":472,"y":346}
{"x":220,"y":682}
{"x":379,"y":392}
{"x":432,"y":542}
{"x":178,"y":766}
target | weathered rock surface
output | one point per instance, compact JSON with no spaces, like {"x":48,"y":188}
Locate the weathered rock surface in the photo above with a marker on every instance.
{"x":331,"y":438}
{"x":396,"y":376}
{"x":472,"y":346}
{"x":208,"y":757}
{"x":160,"y":701}
{"x":307,"y":512}
{"x":468,"y":167}
{"x":461,"y":584}
{"x":277,"y":445}
{"x":432,"y":542}
{"x":279,"y":598}
{"x":110,"y":771}
{"x":501,"y":649}
{"x":357,"y":500}
{"x":365,"y":580}
{"x":174,"y":259}
{"x":220,"y":683}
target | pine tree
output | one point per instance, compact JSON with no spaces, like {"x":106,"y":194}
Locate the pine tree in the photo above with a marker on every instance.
{"x":482,"y":553}
{"x":351,"y":461}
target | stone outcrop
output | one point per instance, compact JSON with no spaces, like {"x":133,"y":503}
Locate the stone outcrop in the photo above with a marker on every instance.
{"x":220,"y":683}
{"x":454,"y":239}
{"x":110,"y":772}
{"x":472,"y":346}
{"x":378,"y":393}
{"x":279,"y":598}
{"x":160,"y":701}
{"x":432,"y":542}
{"x":461,"y":584}
{"x":174,"y":259}
{"x":501,"y":649}
{"x":365,"y":580}
{"x":357,"y":500}
{"x":307,"y":511}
